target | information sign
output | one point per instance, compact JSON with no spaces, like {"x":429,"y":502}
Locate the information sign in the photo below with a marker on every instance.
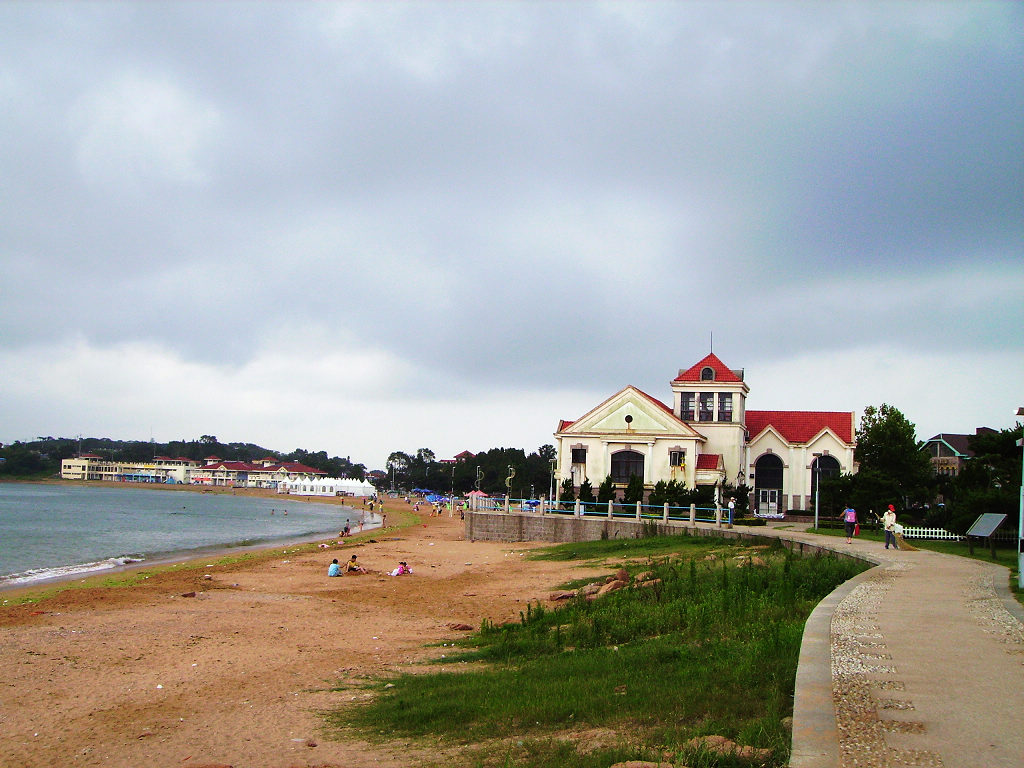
{"x":986,"y":524}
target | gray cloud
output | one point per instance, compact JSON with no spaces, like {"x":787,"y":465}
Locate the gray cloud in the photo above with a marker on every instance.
{"x":515,"y":195}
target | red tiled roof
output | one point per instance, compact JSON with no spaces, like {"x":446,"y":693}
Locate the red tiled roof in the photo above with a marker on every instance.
{"x":465,"y":455}
{"x":802,"y":426}
{"x":708,"y":460}
{"x":722,"y":373}
{"x":239,"y":466}
{"x":564,"y":424}
{"x":296,"y":467}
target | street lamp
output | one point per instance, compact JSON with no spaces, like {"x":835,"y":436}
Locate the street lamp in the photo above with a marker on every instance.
{"x":1020,"y":519}
{"x":817,"y":486}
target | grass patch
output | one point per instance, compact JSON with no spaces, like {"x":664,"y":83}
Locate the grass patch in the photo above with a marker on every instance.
{"x":707,"y":648}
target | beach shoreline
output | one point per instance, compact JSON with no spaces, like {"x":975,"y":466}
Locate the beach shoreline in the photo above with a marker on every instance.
{"x":229,"y":663}
{"x":20,"y":590}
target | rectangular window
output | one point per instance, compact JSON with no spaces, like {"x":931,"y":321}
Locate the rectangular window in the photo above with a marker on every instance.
{"x":579,"y":455}
{"x":725,"y":406}
{"x":686,"y":406}
{"x":676,"y":458}
{"x":707,"y":406}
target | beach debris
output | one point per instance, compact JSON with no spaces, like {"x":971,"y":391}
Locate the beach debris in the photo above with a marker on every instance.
{"x":188,"y":594}
{"x":208,"y":577}
{"x":460,"y":627}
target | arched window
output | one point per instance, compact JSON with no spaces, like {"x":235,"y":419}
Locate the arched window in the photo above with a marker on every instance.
{"x":625,"y":464}
{"x":707,"y":373}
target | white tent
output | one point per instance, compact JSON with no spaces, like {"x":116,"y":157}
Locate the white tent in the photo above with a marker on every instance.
{"x":326,"y":486}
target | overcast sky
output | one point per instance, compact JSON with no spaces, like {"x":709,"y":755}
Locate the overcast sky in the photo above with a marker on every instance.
{"x":369,"y":227}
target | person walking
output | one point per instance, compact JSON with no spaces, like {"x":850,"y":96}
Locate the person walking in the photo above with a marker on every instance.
{"x":889,"y":524}
{"x":850,"y":519}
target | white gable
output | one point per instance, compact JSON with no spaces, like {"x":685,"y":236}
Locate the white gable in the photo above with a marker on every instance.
{"x":645,"y":416}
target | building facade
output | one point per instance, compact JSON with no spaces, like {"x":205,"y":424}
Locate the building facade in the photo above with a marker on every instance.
{"x":265,"y":473}
{"x":708,"y":437}
{"x":948,"y":452}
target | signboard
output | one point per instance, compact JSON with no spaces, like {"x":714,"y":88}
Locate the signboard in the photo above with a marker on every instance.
{"x":986,"y":524}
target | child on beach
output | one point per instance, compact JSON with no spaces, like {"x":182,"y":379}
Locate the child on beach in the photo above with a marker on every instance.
{"x":334,"y":569}
{"x":353,"y":567}
{"x":402,"y":568}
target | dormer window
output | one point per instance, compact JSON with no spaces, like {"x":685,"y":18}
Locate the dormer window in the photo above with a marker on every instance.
{"x":707,"y":373}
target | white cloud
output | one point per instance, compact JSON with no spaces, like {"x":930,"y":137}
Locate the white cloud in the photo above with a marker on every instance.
{"x":139,"y":128}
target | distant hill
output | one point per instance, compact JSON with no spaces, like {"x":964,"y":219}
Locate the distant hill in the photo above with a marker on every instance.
{"x":42,"y":456}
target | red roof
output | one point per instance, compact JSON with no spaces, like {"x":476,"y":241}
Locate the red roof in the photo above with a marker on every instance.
{"x":708,"y":460}
{"x":239,"y":466}
{"x":722,"y":373}
{"x":465,"y":455}
{"x":802,"y":426}
{"x":296,"y":467}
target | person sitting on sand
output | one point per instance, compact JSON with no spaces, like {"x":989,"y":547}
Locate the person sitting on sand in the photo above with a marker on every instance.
{"x":334,"y":569}
{"x":353,"y":567}
{"x":403,"y":567}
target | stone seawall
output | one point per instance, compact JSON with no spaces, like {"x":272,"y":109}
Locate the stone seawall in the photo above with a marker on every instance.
{"x":559,"y":529}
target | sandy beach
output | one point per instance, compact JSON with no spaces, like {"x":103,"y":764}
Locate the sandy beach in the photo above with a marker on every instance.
{"x":230,"y":664}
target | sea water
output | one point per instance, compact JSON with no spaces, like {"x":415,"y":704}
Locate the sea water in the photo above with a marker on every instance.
{"x":49,"y":531}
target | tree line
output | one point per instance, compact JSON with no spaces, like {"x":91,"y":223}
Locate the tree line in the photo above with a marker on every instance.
{"x":895,"y":469}
{"x":495,"y":472}
{"x":42,"y":457}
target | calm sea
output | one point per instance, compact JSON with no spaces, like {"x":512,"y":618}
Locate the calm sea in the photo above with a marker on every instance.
{"x":49,"y":531}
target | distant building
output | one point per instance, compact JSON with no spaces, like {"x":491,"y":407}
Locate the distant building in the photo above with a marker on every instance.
{"x":265,"y":473}
{"x":948,"y":451}
{"x":707,"y":437}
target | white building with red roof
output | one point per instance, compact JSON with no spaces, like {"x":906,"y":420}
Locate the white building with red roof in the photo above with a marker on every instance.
{"x":707,"y":437}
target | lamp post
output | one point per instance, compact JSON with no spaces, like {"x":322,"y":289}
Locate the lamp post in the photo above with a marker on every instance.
{"x":1020,"y":519}
{"x":817,"y":486}
{"x":551,"y":487}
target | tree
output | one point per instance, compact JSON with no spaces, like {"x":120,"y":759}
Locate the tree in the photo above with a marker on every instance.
{"x":891,"y":459}
{"x":989,"y":481}
{"x":567,"y":494}
{"x":634,"y":490}
{"x":587,"y":492}
{"x":606,"y":491}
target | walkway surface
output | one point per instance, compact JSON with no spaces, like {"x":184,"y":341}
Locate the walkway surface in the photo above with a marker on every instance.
{"x":916,"y":662}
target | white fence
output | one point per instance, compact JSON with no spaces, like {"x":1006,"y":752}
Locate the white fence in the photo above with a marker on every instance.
{"x":918,"y":532}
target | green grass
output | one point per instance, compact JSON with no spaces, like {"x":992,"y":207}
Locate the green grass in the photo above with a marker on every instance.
{"x":712,"y":648}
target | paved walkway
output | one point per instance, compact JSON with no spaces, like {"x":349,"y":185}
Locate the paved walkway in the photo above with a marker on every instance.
{"x":917,"y":662}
